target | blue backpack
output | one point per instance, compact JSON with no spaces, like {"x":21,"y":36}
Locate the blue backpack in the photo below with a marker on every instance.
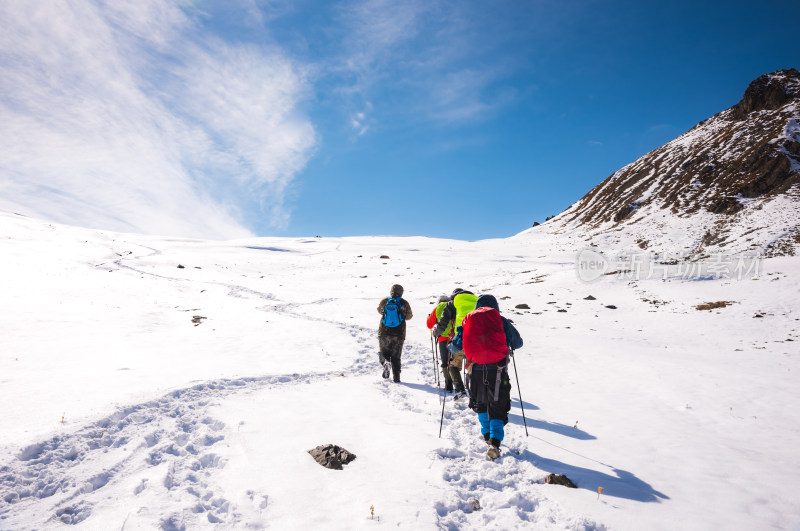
{"x":392,"y":312}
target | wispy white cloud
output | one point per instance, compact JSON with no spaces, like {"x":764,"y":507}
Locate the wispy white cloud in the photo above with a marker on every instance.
{"x":375,"y":28}
{"x":462,"y":95}
{"x":358,"y":123}
{"x":371,"y":32}
{"x":428,"y":52}
{"x":129,"y":115}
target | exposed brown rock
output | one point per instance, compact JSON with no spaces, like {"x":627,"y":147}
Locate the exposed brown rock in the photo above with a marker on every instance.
{"x":554,"y":479}
{"x":714,"y":305}
{"x":332,"y":456}
{"x":766,"y":93}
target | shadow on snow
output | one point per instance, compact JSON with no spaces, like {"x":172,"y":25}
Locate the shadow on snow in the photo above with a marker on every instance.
{"x":516,"y":419}
{"x":620,"y":484}
{"x":274,"y":249}
{"x":430,"y":389}
{"x":555,"y":427}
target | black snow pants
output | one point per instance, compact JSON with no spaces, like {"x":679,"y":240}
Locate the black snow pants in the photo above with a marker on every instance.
{"x":444,"y":356}
{"x":490,"y":390}
{"x":391,"y":348}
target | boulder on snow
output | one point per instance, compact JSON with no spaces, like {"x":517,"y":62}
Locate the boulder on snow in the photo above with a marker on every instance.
{"x":554,"y":479}
{"x":611,"y":307}
{"x":522,"y":306}
{"x":589,"y":298}
{"x":384,"y":257}
{"x":332,"y":456}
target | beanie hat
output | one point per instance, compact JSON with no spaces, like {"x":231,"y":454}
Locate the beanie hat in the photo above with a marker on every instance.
{"x":487,"y":300}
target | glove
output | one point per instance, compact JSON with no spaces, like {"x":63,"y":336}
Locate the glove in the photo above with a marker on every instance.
{"x":435,"y":331}
{"x":453,"y":348}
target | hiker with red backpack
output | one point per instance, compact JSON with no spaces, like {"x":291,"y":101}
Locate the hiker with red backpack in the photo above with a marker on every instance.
{"x":395,"y":311}
{"x":488,"y":339}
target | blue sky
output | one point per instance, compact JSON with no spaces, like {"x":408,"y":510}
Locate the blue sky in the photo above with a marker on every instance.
{"x":450,"y":119}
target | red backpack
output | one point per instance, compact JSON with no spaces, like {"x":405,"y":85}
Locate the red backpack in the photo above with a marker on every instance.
{"x":484,"y":338}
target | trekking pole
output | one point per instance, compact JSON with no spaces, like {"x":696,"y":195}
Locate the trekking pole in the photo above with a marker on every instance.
{"x":519,"y":392}
{"x":441,"y":421}
{"x":436,"y":362}
{"x":435,"y":359}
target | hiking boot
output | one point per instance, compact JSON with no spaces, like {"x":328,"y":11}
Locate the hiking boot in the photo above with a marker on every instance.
{"x":494,"y":449}
{"x":485,"y":437}
{"x":459,"y":394}
{"x":387,"y":367}
{"x":492,"y":453}
{"x":396,"y":378}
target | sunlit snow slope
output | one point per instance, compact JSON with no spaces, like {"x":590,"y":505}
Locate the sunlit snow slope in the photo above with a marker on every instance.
{"x":155,"y":383}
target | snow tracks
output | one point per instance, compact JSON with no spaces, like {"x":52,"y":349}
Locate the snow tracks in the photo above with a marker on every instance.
{"x":168,"y":442}
{"x":164,"y":449}
{"x":509,"y":493}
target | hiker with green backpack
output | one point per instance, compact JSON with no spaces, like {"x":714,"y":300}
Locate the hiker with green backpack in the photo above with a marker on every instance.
{"x":461,"y":303}
{"x":395,"y":311}
{"x":444,"y":338}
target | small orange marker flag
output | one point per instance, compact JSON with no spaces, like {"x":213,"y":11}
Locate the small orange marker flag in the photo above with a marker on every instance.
{"x":599,"y":492}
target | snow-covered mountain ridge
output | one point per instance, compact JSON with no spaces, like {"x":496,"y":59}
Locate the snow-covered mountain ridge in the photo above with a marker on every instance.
{"x":731,"y":184}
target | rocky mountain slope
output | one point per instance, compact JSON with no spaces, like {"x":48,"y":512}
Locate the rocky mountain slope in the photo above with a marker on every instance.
{"x":731,"y":184}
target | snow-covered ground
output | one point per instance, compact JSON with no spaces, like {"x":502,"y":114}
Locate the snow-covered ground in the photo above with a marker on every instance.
{"x":121,"y":412}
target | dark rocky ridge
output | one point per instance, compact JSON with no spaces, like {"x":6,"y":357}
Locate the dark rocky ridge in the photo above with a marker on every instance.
{"x":768,"y":93}
{"x":748,"y":152}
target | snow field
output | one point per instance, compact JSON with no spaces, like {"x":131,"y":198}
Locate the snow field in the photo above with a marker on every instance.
{"x":680,"y":415}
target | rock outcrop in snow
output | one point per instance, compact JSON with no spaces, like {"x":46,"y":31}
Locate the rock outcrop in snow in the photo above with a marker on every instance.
{"x":332,"y":456}
{"x":730,"y":184}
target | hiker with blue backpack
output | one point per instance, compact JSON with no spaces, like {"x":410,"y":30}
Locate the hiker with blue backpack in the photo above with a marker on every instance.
{"x":395,"y":311}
